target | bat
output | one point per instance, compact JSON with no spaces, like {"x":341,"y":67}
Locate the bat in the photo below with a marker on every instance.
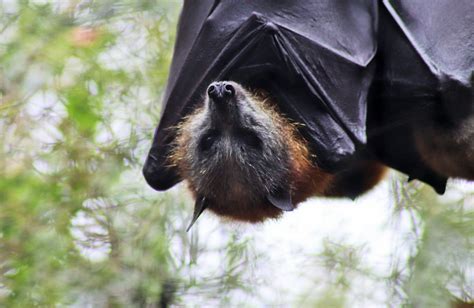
{"x":243,"y":159}
{"x":359,"y":76}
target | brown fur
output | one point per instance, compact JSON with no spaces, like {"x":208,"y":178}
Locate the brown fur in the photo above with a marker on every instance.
{"x":447,"y":150}
{"x":359,"y":178}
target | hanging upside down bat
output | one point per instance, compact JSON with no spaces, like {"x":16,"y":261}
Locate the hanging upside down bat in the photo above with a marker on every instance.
{"x":244,"y":160}
{"x":364,"y":81}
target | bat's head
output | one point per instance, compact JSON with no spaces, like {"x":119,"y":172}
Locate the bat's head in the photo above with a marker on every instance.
{"x":234,"y":153}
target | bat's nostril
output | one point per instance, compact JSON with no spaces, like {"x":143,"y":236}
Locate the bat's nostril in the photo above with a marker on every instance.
{"x":229,"y":90}
{"x":220,"y":91}
{"x":212,"y":90}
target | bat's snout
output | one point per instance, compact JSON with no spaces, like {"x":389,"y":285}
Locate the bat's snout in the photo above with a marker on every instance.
{"x":220,"y":91}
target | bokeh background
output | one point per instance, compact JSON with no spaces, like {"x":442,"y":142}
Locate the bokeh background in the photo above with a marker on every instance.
{"x":80,"y":91}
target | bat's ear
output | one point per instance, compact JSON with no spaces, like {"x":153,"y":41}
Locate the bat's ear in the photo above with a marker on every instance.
{"x":199,"y":207}
{"x":281,"y":199}
{"x":158,"y":176}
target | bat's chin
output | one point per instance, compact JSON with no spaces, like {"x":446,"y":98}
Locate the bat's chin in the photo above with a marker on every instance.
{"x":230,"y":190}
{"x":245,"y":210}
{"x":235,"y":199}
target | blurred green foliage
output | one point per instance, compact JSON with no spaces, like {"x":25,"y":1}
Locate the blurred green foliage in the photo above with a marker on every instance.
{"x":80,"y":83}
{"x":440,"y":266}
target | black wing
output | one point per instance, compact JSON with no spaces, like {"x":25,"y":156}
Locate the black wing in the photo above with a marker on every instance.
{"x":315,"y":57}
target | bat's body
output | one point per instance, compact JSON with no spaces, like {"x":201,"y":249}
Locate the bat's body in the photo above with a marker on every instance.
{"x":244,"y":160}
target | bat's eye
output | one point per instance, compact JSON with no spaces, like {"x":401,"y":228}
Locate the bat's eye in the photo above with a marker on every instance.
{"x":207,"y":141}
{"x":250,"y":138}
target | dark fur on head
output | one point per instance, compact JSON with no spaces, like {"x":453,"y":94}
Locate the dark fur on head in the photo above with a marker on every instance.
{"x":243,"y":160}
